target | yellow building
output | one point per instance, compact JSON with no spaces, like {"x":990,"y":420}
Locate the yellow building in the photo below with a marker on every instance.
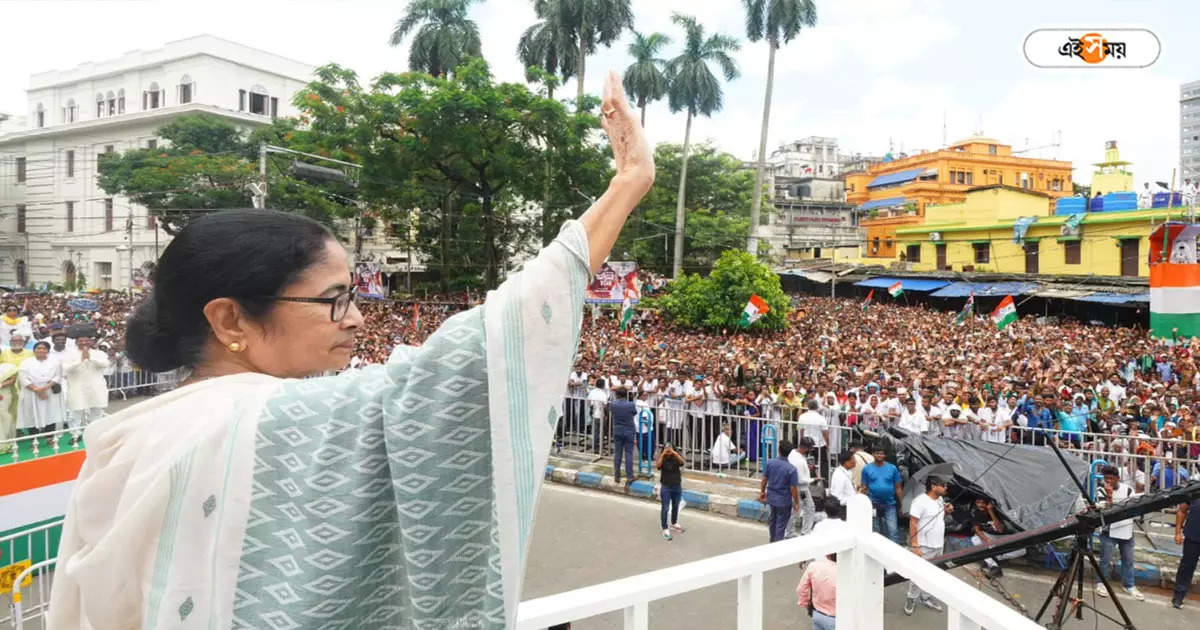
{"x":898,"y":192}
{"x":977,"y":234}
{"x":1111,"y":175}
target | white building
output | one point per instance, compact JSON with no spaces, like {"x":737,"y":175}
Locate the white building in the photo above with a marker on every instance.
{"x":1189,"y":131}
{"x":54,"y":218}
{"x":814,"y":156}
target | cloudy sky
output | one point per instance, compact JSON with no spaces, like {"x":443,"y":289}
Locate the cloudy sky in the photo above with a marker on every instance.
{"x":873,"y":73}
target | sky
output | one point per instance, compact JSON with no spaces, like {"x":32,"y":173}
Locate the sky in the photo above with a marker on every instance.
{"x":875,"y":74}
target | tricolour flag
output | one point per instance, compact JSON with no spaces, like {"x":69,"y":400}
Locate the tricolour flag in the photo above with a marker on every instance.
{"x":896,"y":289}
{"x":755,"y":309}
{"x":1174,"y":300}
{"x":867,"y":302}
{"x":626,"y":313}
{"x":33,"y":492}
{"x":1005,"y":313}
{"x":967,"y":309}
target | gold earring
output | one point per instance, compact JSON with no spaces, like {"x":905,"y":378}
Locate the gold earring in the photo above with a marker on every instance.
{"x":235,"y":347}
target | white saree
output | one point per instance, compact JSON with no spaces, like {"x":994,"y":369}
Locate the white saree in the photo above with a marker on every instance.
{"x":395,"y":496}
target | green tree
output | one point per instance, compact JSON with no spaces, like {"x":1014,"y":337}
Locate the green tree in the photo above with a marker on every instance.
{"x":588,"y":24}
{"x":717,"y":301}
{"x":445,"y":39}
{"x":777,"y":21}
{"x":548,"y":48}
{"x":644,"y":79}
{"x":694,"y":88}
{"x":463,"y":149}
{"x":718,"y":202}
{"x":206,"y":163}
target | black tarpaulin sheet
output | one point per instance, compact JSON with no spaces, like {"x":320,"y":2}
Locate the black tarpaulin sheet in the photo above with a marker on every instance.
{"x":1029,"y":484}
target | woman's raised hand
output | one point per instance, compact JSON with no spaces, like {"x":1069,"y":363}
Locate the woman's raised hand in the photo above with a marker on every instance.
{"x":631,"y":152}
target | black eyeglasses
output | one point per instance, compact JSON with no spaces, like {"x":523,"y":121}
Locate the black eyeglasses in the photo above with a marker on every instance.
{"x":339,"y":304}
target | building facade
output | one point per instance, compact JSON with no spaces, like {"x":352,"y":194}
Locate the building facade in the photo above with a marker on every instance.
{"x":1189,"y":131}
{"x":55,"y":221}
{"x":812,"y":220}
{"x":978,"y":234}
{"x":896,"y":193}
{"x":814,"y":156}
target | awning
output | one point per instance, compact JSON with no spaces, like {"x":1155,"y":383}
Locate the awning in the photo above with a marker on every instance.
{"x":1062,"y":294}
{"x":908,"y":284}
{"x":1116,"y":298}
{"x":929,"y":172}
{"x":898,"y":177}
{"x":963,"y":289}
{"x":883,"y":203}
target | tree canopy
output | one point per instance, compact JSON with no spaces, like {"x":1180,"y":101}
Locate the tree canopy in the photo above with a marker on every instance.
{"x":718,"y":300}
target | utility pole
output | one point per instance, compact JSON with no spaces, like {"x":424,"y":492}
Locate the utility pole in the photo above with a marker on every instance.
{"x":262,"y":174}
{"x":129,"y":244}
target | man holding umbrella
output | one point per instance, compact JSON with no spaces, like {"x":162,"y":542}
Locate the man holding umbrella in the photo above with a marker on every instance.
{"x":87,"y":393}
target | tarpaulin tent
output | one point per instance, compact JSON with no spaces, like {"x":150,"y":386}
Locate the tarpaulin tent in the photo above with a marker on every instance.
{"x":1029,"y":484}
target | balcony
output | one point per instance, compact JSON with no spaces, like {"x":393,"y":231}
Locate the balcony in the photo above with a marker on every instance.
{"x":863,"y":557}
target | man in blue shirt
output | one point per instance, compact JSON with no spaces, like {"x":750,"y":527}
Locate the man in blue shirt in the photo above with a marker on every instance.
{"x":624,"y":431}
{"x":882,"y":480}
{"x":779,"y":490}
{"x":1040,"y":421}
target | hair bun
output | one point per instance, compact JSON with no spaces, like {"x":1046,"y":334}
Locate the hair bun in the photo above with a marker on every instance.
{"x":148,"y":344}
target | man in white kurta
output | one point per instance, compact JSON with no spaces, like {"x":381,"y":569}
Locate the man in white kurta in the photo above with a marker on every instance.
{"x":87,"y":392}
{"x":393,"y":496}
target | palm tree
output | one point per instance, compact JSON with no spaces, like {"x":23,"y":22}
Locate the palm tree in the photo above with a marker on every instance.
{"x":547,"y":48}
{"x":446,"y":36}
{"x":776,"y":21}
{"x":694,"y":87}
{"x":644,"y":79}
{"x":589,"y":24}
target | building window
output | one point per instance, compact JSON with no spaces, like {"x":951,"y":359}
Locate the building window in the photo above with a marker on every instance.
{"x":991,"y":149}
{"x":22,"y":273}
{"x":70,"y":216}
{"x":185,"y":90}
{"x":20,"y":219}
{"x":970,"y":178}
{"x":913,"y":253}
{"x":151,"y":221}
{"x":152,"y":98}
{"x":1072,"y":252}
{"x":107,"y":150}
{"x":112,"y":104}
{"x":20,"y":170}
{"x":152,"y":143}
{"x":39,"y":116}
{"x":70,"y":163}
{"x":121,"y":101}
{"x":99,"y":105}
{"x":875,"y":245}
{"x":982,"y":253}
{"x":70,"y":112}
{"x":108,"y":215}
{"x":241,"y":100}
{"x":104,"y":272}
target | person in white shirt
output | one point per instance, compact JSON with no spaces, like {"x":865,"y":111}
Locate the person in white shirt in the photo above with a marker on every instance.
{"x":1145,"y":198}
{"x":1117,"y":535}
{"x":841,"y":480}
{"x":675,"y":392}
{"x":598,"y":405}
{"x":993,"y":423}
{"x":912,"y":418}
{"x":926,"y":535}
{"x":724,"y":452}
{"x":798,"y":458}
{"x":814,"y":427}
{"x":890,"y":408}
{"x":694,"y":399}
{"x":577,"y":391}
{"x":1115,"y":389}
{"x":86,"y":390}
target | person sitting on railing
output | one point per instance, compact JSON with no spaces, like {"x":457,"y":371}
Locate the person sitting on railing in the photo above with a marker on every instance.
{"x":725,"y":453}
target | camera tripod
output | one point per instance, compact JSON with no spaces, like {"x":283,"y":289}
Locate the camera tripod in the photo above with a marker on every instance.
{"x":1072,"y":578}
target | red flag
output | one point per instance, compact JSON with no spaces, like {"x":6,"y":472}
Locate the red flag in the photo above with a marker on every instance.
{"x":867,"y":302}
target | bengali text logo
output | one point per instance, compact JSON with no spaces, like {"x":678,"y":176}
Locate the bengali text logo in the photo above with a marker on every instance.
{"x":1092,"y":48}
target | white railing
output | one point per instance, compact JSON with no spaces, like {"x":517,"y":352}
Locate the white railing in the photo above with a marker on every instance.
{"x":140,"y":382}
{"x":45,"y":444}
{"x":24,"y":540}
{"x":863,"y":557}
{"x":21,"y":612}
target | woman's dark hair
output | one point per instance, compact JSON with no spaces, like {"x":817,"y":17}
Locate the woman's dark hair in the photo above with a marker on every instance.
{"x":40,"y":344}
{"x":239,"y":254}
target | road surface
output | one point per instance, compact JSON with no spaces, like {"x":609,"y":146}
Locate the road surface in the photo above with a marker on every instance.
{"x":584,"y":537}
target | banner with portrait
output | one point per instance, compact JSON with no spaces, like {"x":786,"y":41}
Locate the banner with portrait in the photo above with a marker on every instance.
{"x":613,"y":282}
{"x":368,"y":280}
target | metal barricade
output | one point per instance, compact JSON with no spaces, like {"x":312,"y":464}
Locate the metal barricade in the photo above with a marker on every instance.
{"x":39,"y":577}
{"x":30,"y":548}
{"x":138,"y":382}
{"x":645,"y":444}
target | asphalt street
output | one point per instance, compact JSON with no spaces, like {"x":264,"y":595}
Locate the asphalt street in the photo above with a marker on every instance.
{"x":584,"y":537}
